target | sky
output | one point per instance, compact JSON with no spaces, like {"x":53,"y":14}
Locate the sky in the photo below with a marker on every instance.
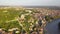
{"x":30,"y":2}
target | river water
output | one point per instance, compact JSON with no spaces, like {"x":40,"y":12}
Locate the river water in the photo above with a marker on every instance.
{"x":52,"y":27}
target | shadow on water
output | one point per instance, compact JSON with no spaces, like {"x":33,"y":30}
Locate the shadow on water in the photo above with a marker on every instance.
{"x":59,"y":27}
{"x":53,"y":27}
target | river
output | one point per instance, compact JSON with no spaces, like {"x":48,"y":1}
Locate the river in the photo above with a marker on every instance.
{"x":52,"y":27}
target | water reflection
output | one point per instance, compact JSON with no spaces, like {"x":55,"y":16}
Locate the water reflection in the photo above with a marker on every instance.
{"x":53,"y":27}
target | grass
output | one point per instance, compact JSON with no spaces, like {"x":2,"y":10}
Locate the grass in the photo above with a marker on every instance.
{"x":9,"y":18}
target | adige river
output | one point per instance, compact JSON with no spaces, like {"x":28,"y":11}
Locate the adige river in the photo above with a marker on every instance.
{"x":52,"y":27}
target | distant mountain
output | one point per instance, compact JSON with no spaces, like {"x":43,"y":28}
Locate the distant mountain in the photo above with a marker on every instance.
{"x":50,"y":7}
